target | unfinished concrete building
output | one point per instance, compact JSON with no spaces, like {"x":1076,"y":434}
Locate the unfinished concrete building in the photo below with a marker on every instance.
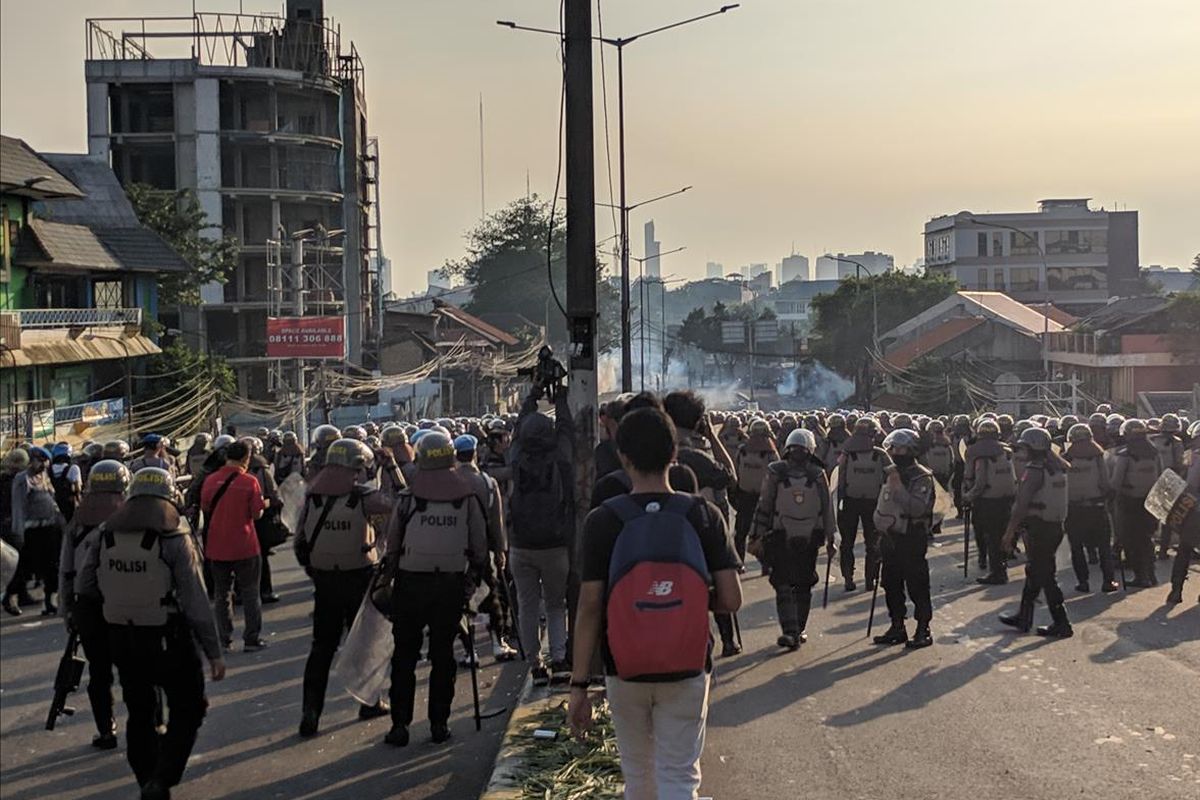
{"x":265,"y":118}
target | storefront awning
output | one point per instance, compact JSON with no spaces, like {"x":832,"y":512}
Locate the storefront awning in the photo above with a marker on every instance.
{"x":59,"y":347}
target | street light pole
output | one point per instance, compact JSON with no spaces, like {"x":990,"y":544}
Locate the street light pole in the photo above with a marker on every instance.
{"x":643,"y":299}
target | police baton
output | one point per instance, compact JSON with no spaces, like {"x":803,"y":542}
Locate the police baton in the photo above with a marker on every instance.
{"x":874,"y":596}
{"x":828,"y":567}
{"x":966,"y":542}
{"x":467,"y":632}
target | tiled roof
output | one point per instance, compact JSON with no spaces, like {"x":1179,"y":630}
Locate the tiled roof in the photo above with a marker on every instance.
{"x":141,"y":250}
{"x":1122,"y":312}
{"x":929,"y":341}
{"x":64,"y":245}
{"x":19,"y":164}
{"x":105,"y":202}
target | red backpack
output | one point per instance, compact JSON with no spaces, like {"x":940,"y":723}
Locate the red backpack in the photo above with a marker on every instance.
{"x":657,"y":599}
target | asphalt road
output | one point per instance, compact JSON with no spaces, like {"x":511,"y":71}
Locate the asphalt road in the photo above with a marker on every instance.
{"x":248,"y":746}
{"x":982,"y":714}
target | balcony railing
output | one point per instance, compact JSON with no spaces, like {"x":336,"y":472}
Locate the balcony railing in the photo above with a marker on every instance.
{"x":78,"y":317}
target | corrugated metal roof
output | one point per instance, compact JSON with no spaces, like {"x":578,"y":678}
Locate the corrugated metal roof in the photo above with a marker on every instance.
{"x":58,"y":347}
{"x":65,"y":245}
{"x":924,"y":344}
{"x":1019,"y":314}
{"x":19,"y":163}
{"x":474,"y":323}
{"x":1124,"y":311}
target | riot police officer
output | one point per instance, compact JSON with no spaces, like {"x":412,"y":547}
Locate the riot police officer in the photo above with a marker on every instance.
{"x":154,"y":454}
{"x":751,"y":459}
{"x":1041,"y":505}
{"x":990,"y":486}
{"x":1135,"y":469}
{"x":289,"y":457}
{"x":1087,"y":522}
{"x":860,"y":477}
{"x":1189,"y":534}
{"x":106,"y":487}
{"x":793,"y":517}
{"x":1168,"y":442}
{"x":197,"y":453}
{"x":394,"y":457}
{"x":323,"y":436}
{"x":904,"y":517}
{"x":436,"y":550}
{"x":336,"y":544}
{"x":146,"y":570}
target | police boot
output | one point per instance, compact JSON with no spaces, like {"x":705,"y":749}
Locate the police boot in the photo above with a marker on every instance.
{"x":1175,"y":596}
{"x":397,"y":736}
{"x":310,"y":719}
{"x":922,"y":637}
{"x":1023,"y":619}
{"x":896,"y":634}
{"x":379,"y":709}
{"x":106,"y":739}
{"x":1061,"y":628}
{"x":440,"y":732}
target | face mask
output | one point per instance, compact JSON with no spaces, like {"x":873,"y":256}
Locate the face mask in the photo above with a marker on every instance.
{"x":798,"y":456}
{"x":904,"y":461}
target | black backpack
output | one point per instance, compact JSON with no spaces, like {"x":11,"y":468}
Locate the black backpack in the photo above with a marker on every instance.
{"x":537,"y":500}
{"x":65,"y":492}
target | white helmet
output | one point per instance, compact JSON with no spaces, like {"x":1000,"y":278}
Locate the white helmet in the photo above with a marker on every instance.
{"x":801,"y":437}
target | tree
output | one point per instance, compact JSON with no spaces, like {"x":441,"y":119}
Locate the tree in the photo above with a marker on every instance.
{"x":168,"y":372}
{"x":844,"y":320}
{"x":506,"y":264}
{"x":178,"y":218}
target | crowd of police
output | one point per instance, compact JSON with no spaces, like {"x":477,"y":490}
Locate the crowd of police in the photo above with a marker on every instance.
{"x":417,"y":520}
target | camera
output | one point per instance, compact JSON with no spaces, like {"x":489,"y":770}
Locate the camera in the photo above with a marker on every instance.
{"x":548,"y":373}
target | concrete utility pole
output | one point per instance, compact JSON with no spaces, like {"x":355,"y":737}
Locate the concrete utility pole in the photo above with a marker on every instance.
{"x":581,"y":246}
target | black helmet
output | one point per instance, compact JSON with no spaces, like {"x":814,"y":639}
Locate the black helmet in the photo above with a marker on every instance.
{"x":1036,"y":439}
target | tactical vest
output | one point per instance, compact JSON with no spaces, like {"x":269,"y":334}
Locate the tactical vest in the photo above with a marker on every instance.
{"x":195,"y":462}
{"x":797,"y":506}
{"x":134,"y":580}
{"x":346,"y":538}
{"x":1049,"y":503}
{"x":436,"y":537}
{"x":1140,"y":475}
{"x":752,"y":466}
{"x":1083,"y":482}
{"x":1003,"y":482}
{"x":890,"y":515}
{"x":863,"y":474}
{"x":1169,"y":450}
{"x":939,"y":458}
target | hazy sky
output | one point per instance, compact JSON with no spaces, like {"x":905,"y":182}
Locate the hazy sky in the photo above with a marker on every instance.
{"x":833,"y":124}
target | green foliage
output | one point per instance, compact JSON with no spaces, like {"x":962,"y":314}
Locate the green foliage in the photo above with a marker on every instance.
{"x":1183,"y":313}
{"x":506,"y":263}
{"x":178,"y":364}
{"x":178,"y":218}
{"x":844,"y":319}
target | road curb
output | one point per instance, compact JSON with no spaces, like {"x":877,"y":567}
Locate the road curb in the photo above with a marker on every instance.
{"x":503,"y":784}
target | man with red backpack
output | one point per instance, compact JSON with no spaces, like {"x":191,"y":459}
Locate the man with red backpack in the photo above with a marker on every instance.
{"x":654,"y":562}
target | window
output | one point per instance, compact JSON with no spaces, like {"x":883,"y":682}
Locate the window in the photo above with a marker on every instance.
{"x":1076,"y":242}
{"x":1022,"y":244}
{"x":1023,"y":279}
{"x":982,"y":238}
{"x":1066,"y":279}
{"x":106,"y":294}
{"x":998,"y":280}
{"x":981,"y":279}
{"x":997,"y":244}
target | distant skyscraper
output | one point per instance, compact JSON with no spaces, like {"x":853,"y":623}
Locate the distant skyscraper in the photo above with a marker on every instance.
{"x":829,"y":268}
{"x":438,"y":279}
{"x":793,"y":268}
{"x":714,"y":269}
{"x":754,"y":270}
{"x":653,"y":247}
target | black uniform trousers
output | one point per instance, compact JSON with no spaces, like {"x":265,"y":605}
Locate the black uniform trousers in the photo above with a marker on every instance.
{"x":1189,"y":540}
{"x":990,"y":517}
{"x":1042,"y":539}
{"x":1087,"y":529}
{"x":905,"y":570}
{"x":1135,"y":532}
{"x":88,"y":617}
{"x":425,"y":600}
{"x":338,"y":594}
{"x":853,"y":511}
{"x":744,"y":504}
{"x":793,"y":562}
{"x":148,"y":659}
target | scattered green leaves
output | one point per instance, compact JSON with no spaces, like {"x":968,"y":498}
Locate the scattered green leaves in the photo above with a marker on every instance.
{"x":567,"y":768}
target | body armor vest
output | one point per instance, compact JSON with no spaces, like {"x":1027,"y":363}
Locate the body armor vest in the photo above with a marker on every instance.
{"x":1140,"y":475}
{"x":939,"y":458}
{"x":797,"y":506}
{"x":1083,"y":482}
{"x":891,"y":515}
{"x":752,"y":467}
{"x":863,"y":473}
{"x":1049,"y":503}
{"x":134,"y":580}
{"x":436,"y":536}
{"x":1003,"y":482}
{"x":346,"y":538}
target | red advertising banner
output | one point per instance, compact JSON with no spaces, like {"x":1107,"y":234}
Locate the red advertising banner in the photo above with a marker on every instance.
{"x":306,"y":337}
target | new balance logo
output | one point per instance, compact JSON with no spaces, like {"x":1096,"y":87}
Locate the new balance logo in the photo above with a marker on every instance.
{"x":661,"y":588}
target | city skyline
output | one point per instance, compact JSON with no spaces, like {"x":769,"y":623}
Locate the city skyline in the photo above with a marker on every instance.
{"x":1091,"y":102}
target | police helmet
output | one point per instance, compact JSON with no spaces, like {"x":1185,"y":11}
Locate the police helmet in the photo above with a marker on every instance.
{"x":151,"y":441}
{"x":201,"y":441}
{"x":1036,"y":439}
{"x":1097,"y":419}
{"x":325,"y":435}
{"x":865,"y":425}
{"x":836,"y":421}
{"x":435,"y":451}
{"x":1067,"y":422}
{"x":224,"y":440}
{"x":936,"y":426}
{"x":93,"y":450}
{"x":1114,"y":420}
{"x":289,"y":437}
{"x":1170,"y":423}
{"x":263,"y":432}
{"x":16,"y":459}
{"x":802,"y":438}
{"x":901,"y":438}
{"x":254,"y":443}
{"x":152,"y":482}
{"x":902,"y":421}
{"x":108,"y":476}
{"x":348,"y":453}
{"x":987,"y":428}
{"x":1133,"y":427}
{"x":1104,"y":408}
{"x":760,"y":427}
{"x":371,"y":428}
{"x":61,"y":449}
{"x":393,"y":436}
{"x":465,"y":443}
{"x":1194,"y":430}
{"x":117,"y":449}
{"x":39,"y":452}
{"x":1079,"y":433}
{"x":355,"y":432}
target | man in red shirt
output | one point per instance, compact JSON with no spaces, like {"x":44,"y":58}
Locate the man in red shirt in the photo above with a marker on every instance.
{"x":231,"y":501}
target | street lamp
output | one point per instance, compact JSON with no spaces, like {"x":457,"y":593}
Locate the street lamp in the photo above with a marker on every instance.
{"x":620,"y":43}
{"x":1045,"y":283}
{"x":642,"y":305}
{"x":128,"y":375}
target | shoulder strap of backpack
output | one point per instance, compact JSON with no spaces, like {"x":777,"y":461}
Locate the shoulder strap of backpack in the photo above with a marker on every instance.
{"x":681,"y":504}
{"x":624,"y":507}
